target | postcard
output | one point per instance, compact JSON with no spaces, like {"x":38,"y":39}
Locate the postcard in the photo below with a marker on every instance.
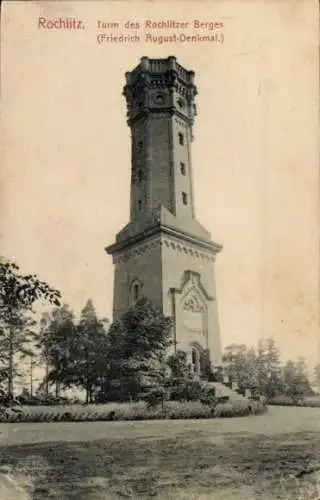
{"x":160,"y":250}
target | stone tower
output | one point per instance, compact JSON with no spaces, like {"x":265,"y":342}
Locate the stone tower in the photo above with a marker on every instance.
{"x":164,"y":253}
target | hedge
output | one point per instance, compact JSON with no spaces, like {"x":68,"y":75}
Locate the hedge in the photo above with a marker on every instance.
{"x":131,"y":411}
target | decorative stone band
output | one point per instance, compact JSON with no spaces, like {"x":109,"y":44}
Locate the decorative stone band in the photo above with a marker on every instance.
{"x":182,"y":123}
{"x":188,"y":249}
{"x":131,"y":253}
{"x":160,"y":231}
{"x":172,"y":243}
{"x":156,"y":113}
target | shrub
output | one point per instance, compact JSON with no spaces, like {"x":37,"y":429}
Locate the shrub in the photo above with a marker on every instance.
{"x":308,"y":401}
{"x":42,"y":400}
{"x":154,"y":397}
{"x":186,"y":390}
{"x":239,"y":408}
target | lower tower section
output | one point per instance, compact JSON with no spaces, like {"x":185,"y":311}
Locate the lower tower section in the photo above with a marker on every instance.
{"x":175,"y":271}
{"x":189,"y":297}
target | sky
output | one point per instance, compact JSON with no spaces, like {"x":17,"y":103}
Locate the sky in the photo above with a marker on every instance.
{"x":66,"y":154}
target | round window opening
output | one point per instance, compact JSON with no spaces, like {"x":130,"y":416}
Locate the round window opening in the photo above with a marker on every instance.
{"x":159,"y":98}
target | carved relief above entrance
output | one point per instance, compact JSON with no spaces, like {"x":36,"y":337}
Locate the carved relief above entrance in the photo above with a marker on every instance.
{"x":194,"y":311}
{"x":191,"y":303}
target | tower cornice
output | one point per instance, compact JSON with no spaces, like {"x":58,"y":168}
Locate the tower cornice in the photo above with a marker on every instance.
{"x":164,"y":230}
{"x":148,"y":111}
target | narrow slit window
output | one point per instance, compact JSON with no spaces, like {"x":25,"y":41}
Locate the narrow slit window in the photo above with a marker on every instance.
{"x":140,"y":175}
{"x":181,"y":139}
{"x":135,"y":292}
{"x":139,"y":205}
{"x":140,"y":146}
{"x":184,"y":198}
{"x":183,"y":168}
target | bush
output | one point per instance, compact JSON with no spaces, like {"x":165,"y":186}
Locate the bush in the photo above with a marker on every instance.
{"x":186,"y":390}
{"x":154,"y":397}
{"x":133,"y":411}
{"x":239,"y":409}
{"x":42,"y":400}
{"x":308,"y":401}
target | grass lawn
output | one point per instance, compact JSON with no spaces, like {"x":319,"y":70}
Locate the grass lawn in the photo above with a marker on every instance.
{"x":227,"y":459}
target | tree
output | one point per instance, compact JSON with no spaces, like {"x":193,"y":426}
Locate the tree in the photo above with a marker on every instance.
{"x":316,"y":372}
{"x":261,"y":370}
{"x":75,"y":354}
{"x":261,"y":367}
{"x":295,"y":378}
{"x":254,"y":369}
{"x":273,"y":382}
{"x":138,"y":343}
{"x":289,"y":378}
{"x":268,"y":369}
{"x":236,"y":365}
{"x":178,"y":365}
{"x":42,"y":342}
{"x":16,"y":345}
{"x":57,"y":342}
{"x":90,"y":351}
{"x":18,"y":293}
{"x":303,"y":377}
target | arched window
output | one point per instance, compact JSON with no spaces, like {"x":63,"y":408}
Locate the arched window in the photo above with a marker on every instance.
{"x":135,"y":291}
{"x":194,"y":356}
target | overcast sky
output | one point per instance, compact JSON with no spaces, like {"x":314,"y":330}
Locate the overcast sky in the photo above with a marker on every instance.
{"x":65,"y":183}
